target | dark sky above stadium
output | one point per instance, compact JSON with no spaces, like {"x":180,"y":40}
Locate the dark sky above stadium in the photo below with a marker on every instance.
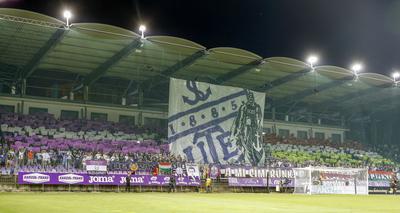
{"x":339,"y":31}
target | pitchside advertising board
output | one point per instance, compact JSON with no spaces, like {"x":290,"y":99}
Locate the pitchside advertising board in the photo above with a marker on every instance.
{"x":237,"y":176}
{"x":247,"y":176}
{"x":215,"y":124}
{"x":106,"y":179}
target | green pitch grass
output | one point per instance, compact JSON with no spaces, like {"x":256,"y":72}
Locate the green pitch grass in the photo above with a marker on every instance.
{"x":194,"y":202}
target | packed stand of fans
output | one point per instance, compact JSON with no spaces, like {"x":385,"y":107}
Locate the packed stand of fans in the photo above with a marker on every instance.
{"x":294,"y":152}
{"x":389,"y":150}
{"x":42,"y":143}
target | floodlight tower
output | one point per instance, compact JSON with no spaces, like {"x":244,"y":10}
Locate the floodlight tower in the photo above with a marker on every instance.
{"x":142,"y":29}
{"x":395,"y":76}
{"x":312,"y":60}
{"x":67,"y":16}
{"x":356,"y":68}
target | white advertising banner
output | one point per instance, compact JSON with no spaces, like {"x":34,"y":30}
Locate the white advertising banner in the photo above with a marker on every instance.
{"x":215,"y":124}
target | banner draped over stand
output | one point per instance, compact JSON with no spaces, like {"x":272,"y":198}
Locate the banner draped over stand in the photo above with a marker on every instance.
{"x":215,"y":124}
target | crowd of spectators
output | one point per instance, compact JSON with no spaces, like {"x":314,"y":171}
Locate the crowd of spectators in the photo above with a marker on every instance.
{"x":43,"y":143}
{"x":391,"y":151}
{"x":74,"y":160}
{"x":49,"y":122}
{"x":294,"y":152}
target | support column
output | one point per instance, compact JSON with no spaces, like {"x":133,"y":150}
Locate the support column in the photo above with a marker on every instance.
{"x":273,"y":113}
{"x":140,"y":96}
{"x":71,"y":96}
{"x":23,"y":87}
{"x":85,"y":93}
{"x":342,"y":121}
{"x":140,"y":118}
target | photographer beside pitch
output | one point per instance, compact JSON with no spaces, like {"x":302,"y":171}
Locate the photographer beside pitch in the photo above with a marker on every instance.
{"x":128,"y":182}
{"x":172,"y":184}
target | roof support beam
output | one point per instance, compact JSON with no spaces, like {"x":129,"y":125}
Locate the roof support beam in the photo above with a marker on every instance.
{"x":184,"y":63}
{"x":308,"y":92}
{"x":30,"y":67}
{"x":102,"y":68}
{"x":293,"y":76}
{"x":174,"y":68}
{"x":237,"y":72}
{"x":125,"y":93}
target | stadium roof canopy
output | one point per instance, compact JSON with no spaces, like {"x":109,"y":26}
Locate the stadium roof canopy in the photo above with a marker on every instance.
{"x":113,"y":61}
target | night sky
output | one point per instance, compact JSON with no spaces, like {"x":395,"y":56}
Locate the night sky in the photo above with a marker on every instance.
{"x":339,"y":31}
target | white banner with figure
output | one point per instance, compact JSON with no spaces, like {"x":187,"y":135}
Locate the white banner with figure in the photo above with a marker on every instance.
{"x":215,"y":124}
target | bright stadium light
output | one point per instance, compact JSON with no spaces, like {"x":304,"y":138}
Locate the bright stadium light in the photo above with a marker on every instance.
{"x":67,"y":16}
{"x":142,"y":29}
{"x":356,"y":67}
{"x":312,"y":60}
{"x":395,"y":76}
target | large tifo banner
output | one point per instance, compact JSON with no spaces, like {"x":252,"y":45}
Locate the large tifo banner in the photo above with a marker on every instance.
{"x":215,"y":124}
{"x":109,"y":179}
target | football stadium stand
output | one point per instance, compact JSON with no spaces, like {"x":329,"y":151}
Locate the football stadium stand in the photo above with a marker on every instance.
{"x":89,"y":95}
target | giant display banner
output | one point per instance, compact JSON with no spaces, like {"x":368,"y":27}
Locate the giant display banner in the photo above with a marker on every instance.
{"x":215,"y":124}
{"x":379,"y":178}
{"x":110,"y":179}
{"x":259,"y":182}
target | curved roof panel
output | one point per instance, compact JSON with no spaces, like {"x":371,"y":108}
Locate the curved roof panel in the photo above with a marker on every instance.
{"x":25,"y":14}
{"x":103,"y":31}
{"x":23,"y":34}
{"x":175,"y":41}
{"x":375,"y":79}
{"x":285,"y":62}
{"x":30,"y":41}
{"x":222,"y":64}
{"x":234,"y":55}
{"x":155,"y":57}
{"x":86,"y":46}
{"x":270,"y":72}
{"x":333,"y":72}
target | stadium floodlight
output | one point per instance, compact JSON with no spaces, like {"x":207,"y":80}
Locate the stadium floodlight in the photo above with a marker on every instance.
{"x":312,"y":60}
{"x":356,"y":67}
{"x":395,"y":76}
{"x":142,"y":29}
{"x":67,"y":16}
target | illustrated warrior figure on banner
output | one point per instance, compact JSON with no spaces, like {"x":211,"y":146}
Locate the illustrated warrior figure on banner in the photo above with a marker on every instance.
{"x":246,"y":131}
